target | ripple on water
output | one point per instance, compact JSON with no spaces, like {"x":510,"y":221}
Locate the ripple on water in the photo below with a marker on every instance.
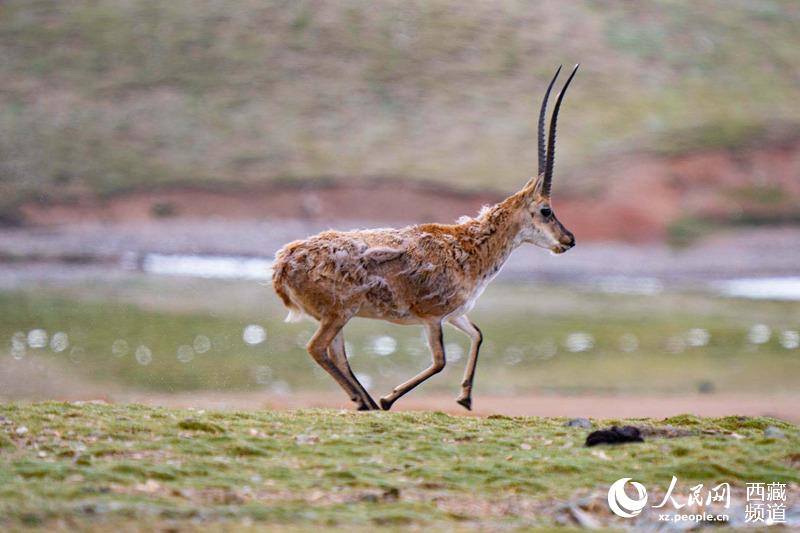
{"x":59,"y":342}
{"x":120,"y":348}
{"x":144,"y":356}
{"x":512,"y":355}
{"x":790,"y":339}
{"x":201,"y":344}
{"x":545,"y":349}
{"x":382,"y":345}
{"x":37,"y":338}
{"x":759,"y":334}
{"x":453,"y":352}
{"x":19,"y":345}
{"x":185,"y":353}
{"x":697,"y":337}
{"x":579,"y":342}
{"x":254,"y":334}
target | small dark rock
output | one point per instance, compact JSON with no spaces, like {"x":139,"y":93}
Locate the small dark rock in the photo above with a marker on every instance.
{"x":705,"y":387}
{"x":391,"y":494}
{"x":88,"y":508}
{"x":163,"y":210}
{"x":614,"y":435}
{"x":579,"y":423}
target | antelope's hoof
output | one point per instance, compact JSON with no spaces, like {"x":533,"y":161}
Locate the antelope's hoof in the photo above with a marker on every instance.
{"x":465,"y":402}
{"x":386,"y":404}
{"x":363,"y":407}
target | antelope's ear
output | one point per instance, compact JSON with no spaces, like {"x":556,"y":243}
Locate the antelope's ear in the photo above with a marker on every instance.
{"x":533,"y":189}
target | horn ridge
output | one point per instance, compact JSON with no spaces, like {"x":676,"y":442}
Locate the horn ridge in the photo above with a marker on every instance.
{"x":542,"y":113}
{"x":551,"y":138}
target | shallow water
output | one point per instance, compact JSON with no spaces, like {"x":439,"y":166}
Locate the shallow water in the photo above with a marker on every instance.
{"x":260,"y":268}
{"x":784,"y":288}
{"x":209,"y":266}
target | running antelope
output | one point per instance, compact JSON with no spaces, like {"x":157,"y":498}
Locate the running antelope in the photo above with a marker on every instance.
{"x":427,"y":274}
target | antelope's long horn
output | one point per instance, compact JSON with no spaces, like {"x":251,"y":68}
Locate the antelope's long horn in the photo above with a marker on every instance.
{"x":542,"y":112}
{"x":551,"y":138}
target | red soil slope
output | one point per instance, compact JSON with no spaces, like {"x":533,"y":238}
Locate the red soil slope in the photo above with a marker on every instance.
{"x":637,"y":196}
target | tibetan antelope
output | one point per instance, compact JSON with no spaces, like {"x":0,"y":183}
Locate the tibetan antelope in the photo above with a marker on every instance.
{"x":427,"y":274}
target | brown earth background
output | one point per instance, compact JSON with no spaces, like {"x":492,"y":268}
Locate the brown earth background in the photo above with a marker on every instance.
{"x":683,"y":117}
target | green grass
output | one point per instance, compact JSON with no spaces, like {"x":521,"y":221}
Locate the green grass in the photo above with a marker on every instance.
{"x":97,"y":465}
{"x":107,"y":95}
{"x":527,"y":333}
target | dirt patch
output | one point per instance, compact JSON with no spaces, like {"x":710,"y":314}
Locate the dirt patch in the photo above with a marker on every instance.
{"x":391,"y":201}
{"x":593,"y":406}
{"x":36,"y":380}
{"x":629,"y":197}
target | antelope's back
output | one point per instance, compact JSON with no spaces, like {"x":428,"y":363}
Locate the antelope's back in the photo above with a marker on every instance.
{"x":336,"y":266}
{"x":393,"y":274}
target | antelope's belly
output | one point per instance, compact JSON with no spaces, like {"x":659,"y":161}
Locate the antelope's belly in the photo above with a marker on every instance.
{"x":399,"y":314}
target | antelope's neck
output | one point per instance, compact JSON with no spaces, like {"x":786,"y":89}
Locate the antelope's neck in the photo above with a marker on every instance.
{"x":494,"y":236}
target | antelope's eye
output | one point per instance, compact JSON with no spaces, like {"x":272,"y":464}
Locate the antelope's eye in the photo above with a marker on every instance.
{"x":546,"y":211}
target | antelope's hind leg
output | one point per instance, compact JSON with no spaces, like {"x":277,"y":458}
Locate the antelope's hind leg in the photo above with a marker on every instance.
{"x":476,"y":337}
{"x":434,"y":332}
{"x":318,"y":348}
{"x":337,"y":354}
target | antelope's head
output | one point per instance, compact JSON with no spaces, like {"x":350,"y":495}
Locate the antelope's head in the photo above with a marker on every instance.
{"x":538,"y":223}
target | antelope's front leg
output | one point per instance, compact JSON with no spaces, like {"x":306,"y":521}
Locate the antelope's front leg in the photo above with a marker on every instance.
{"x":476,"y":337}
{"x":434,"y":332}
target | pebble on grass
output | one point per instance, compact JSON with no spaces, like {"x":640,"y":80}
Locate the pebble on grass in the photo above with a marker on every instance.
{"x":580,"y":422}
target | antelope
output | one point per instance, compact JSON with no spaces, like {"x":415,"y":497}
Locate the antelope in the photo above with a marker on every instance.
{"x":427,"y":274}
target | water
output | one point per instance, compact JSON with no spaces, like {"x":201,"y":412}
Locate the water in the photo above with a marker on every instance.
{"x":784,"y":288}
{"x":260,"y":268}
{"x":209,"y":266}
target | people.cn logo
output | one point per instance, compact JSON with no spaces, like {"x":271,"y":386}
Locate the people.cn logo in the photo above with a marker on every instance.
{"x":623,"y":505}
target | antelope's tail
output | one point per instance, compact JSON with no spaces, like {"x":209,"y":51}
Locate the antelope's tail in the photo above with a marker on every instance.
{"x":279,"y":278}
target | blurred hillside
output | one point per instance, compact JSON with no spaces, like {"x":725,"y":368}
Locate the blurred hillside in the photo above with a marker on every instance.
{"x":107,"y":95}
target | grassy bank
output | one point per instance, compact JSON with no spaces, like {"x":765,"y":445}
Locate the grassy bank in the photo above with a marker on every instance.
{"x":103,"y":466}
{"x":107,"y":95}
